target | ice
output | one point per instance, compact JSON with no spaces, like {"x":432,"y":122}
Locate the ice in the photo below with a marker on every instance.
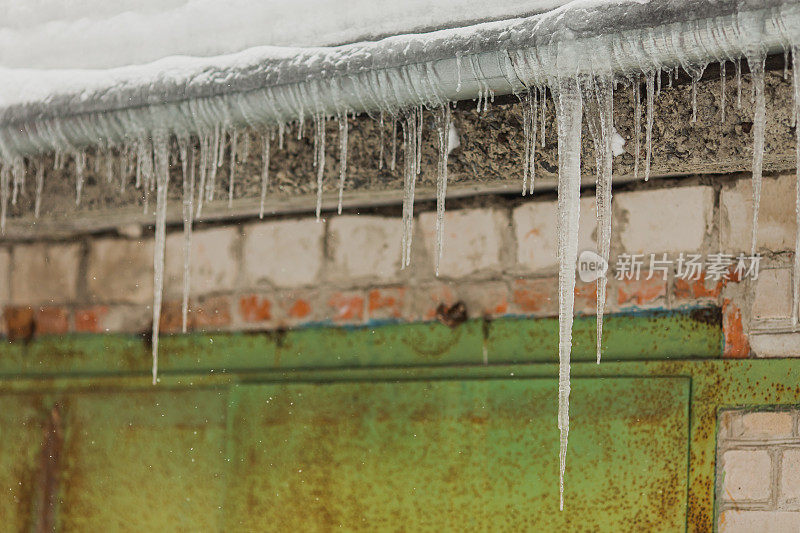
{"x":39,"y":187}
{"x":542,"y":110}
{"x":393,"y":162}
{"x":234,"y":139}
{"x":187,"y":154}
{"x":5,"y":178}
{"x":694,"y":99}
{"x":722,"y":90}
{"x":529,"y":122}
{"x":319,"y":158}
{"x":569,"y":111}
{"x":796,"y":115}
{"x":637,"y":126}
{"x":649,"y":124}
{"x":756,"y":64}
{"x":161,"y":149}
{"x":264,"y":172}
{"x":18,"y":174}
{"x":443,"y":127}
{"x":739,"y":83}
{"x":343,"y":127}
{"x":410,"y":136}
{"x":600,"y":117}
{"x":380,"y":153}
{"x":80,"y":174}
{"x":214,"y":162}
{"x":205,"y":143}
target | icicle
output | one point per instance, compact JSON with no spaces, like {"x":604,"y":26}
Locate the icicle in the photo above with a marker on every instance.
{"x":80,"y":175}
{"x":205,"y":143}
{"x":786,"y":64}
{"x":529,"y":118}
{"x":443,"y":130}
{"x":694,"y":99}
{"x":39,"y":186}
{"x":394,"y":144}
{"x":722,"y":90}
{"x":319,"y":142}
{"x":526,"y":139}
{"x":264,"y":173}
{"x":380,"y":154}
{"x":162,"y":181}
{"x":649,"y":125}
{"x":109,"y":164}
{"x":637,"y":126}
{"x":281,"y":134}
{"x":739,"y":83}
{"x":669,"y":78}
{"x":658,"y":83}
{"x":569,"y":117}
{"x":231,"y":178}
{"x":18,"y":174}
{"x":221,"y":147}
{"x":796,"y":118}
{"x":343,"y":127}
{"x":420,"y":124}
{"x":543,"y":110}
{"x":409,"y":181}
{"x":57,"y":158}
{"x":245,"y":147}
{"x":756,"y":64}
{"x":187,"y":154}
{"x":5,"y":179}
{"x":458,"y":72}
{"x":601,"y":127}
{"x":214,"y":163}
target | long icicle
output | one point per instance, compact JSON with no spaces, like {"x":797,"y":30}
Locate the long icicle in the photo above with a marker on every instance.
{"x":187,"y":153}
{"x":443,"y":129}
{"x":796,"y":100}
{"x":409,"y":181}
{"x":5,"y":183}
{"x":569,"y":117}
{"x":319,"y":138}
{"x":205,"y":142}
{"x":343,"y":127}
{"x":231,"y":178}
{"x":162,"y":182}
{"x":526,"y":136}
{"x":637,"y":127}
{"x":756,"y":64}
{"x":649,"y":124}
{"x":39,"y":186}
{"x":265,"y":171}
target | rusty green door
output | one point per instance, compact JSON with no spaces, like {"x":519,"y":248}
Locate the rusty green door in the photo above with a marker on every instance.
{"x":458,"y":455}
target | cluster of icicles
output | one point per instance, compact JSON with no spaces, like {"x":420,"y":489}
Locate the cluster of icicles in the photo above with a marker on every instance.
{"x":574,"y":98}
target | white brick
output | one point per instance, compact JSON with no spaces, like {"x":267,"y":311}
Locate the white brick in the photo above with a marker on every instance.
{"x":120,"y":270}
{"x":213,"y":264}
{"x":790,"y":475}
{"x":286,"y":253}
{"x":776,"y":345}
{"x":773,"y":297}
{"x":747,"y":475}
{"x":764,"y":425}
{"x":43,"y":273}
{"x":775,"y":215}
{"x":365,"y":247}
{"x":665,"y":220}
{"x":759,"y":521}
{"x":535,"y":229}
{"x":472,"y":240}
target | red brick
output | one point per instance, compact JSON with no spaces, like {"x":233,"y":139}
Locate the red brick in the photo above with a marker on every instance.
{"x":213,"y":312}
{"x":299,"y":308}
{"x":697,"y":289}
{"x":90,"y":319}
{"x":586,"y":297}
{"x":171,"y":320}
{"x":20,"y":324}
{"x":427,"y":299}
{"x":486,"y":299}
{"x":52,"y":320}
{"x":347,"y":307}
{"x":386,"y":303}
{"x":536,"y":296}
{"x":737,"y":345}
{"x":641,"y":292}
{"x":255,"y":308}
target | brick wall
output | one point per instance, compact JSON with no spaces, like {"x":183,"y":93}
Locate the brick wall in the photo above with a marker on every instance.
{"x":499,"y":259}
{"x":758,"y":471}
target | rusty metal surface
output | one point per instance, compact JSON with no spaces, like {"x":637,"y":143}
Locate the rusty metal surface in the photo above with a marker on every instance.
{"x":458,"y":456}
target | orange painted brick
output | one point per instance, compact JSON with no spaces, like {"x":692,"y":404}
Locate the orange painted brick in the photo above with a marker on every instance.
{"x":255,"y":308}
{"x":20,"y":323}
{"x":385,"y":303}
{"x":737,"y":345}
{"x":640,"y":292}
{"x":347,"y":307}
{"x":299,"y":309}
{"x":89,"y":319}
{"x":697,"y":289}
{"x":433,"y":297}
{"x":52,"y":320}
{"x":536,"y":296}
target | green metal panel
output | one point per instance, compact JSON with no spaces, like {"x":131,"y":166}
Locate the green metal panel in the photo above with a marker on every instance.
{"x":143,"y":461}
{"x":458,"y":456}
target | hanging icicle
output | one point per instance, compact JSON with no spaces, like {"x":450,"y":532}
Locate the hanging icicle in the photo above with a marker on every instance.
{"x":637,"y":126}
{"x":722,"y":90}
{"x":5,"y":184}
{"x":529,"y":123}
{"x":343,"y":127}
{"x":160,"y":147}
{"x":231,"y":177}
{"x":443,"y":124}
{"x":409,"y":126}
{"x":265,"y":171}
{"x":756,"y":64}
{"x":39,"y":187}
{"x":319,"y":158}
{"x":203,"y":163}
{"x":380,"y":153}
{"x":187,"y":154}
{"x":80,"y":174}
{"x":650,"y":81}
{"x":796,"y":119}
{"x":569,"y":114}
